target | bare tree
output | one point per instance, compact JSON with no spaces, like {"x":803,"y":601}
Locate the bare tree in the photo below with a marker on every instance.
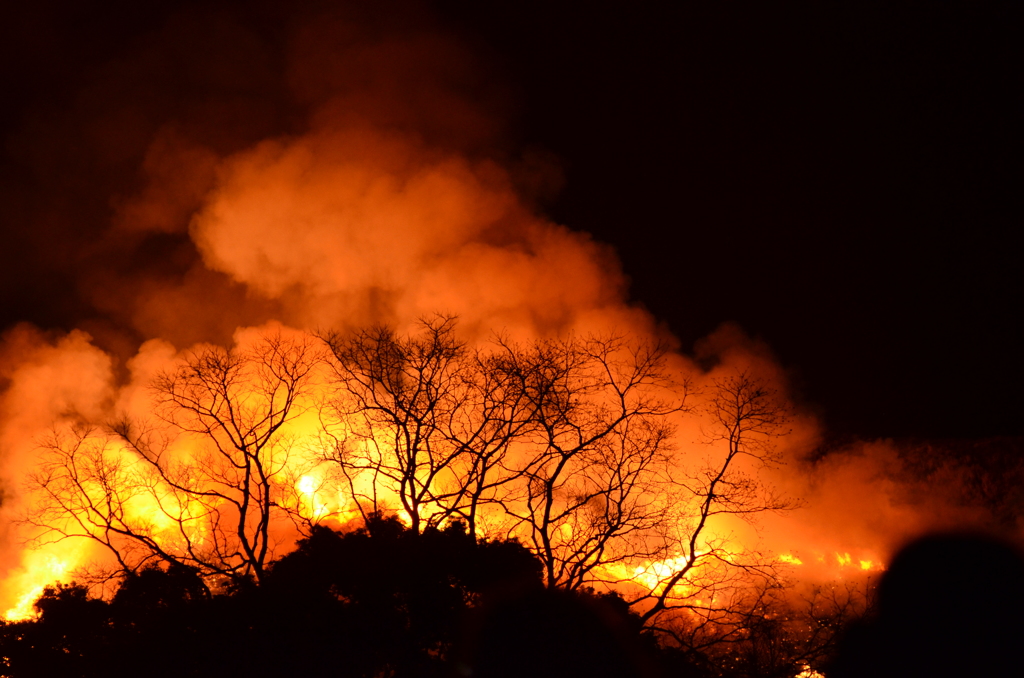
{"x":781,"y":633}
{"x":716,"y":583}
{"x":595,"y":460}
{"x":202,"y":490}
{"x":85,"y":486}
{"x":497,"y":417}
{"x":422,"y":420}
{"x":562,"y":443}
{"x":394,"y":399}
{"x":565,"y":444}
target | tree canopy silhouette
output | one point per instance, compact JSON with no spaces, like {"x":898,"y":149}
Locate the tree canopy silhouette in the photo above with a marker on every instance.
{"x":564,"y":445}
{"x":380,"y":600}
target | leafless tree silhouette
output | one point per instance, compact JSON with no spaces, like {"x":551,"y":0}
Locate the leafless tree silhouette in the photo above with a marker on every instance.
{"x":200,"y":486}
{"x":595,"y":461}
{"x":717,"y":583}
{"x":563,"y":444}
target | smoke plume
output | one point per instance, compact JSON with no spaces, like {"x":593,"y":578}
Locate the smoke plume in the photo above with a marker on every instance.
{"x":324,"y":169}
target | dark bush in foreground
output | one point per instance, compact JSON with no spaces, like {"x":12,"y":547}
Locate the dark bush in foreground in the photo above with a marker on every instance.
{"x":377,"y":602}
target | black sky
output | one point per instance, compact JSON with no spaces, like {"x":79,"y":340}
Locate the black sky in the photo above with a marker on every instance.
{"x":842,"y":182}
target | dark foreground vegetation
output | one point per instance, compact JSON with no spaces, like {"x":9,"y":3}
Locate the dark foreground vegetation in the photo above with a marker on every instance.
{"x":387,"y":601}
{"x":378,"y":601}
{"x":949,"y":606}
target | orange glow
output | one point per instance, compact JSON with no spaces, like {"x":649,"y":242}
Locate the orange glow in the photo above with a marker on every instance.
{"x":310,"y":489}
{"x":147,"y":499}
{"x":376,"y":214}
{"x":39,"y":569}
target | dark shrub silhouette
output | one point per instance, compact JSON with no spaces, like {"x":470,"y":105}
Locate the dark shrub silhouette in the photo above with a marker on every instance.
{"x":949,"y":605}
{"x":70,"y":635}
{"x":401,"y":594}
{"x":373,"y":602}
{"x":377,"y":601}
{"x":546,"y":632}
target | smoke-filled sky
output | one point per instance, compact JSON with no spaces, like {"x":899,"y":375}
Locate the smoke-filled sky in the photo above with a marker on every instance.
{"x":843,"y":184}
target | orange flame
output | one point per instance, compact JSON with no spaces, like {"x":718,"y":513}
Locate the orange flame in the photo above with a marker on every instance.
{"x":358,"y":222}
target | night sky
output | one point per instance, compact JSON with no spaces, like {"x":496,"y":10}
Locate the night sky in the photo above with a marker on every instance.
{"x":841,"y":182}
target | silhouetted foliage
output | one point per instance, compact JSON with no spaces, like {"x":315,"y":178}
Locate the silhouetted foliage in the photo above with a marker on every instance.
{"x":384,"y":600}
{"x":949,"y":605}
{"x":378,"y":601}
{"x":565,"y":444}
{"x":410,"y":589}
{"x":556,"y":633}
{"x":71,"y":633}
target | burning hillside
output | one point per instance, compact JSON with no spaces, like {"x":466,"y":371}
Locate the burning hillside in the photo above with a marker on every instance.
{"x":360,"y":314}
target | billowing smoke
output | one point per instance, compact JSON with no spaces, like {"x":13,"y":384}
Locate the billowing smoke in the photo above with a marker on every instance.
{"x":361,"y":224}
{"x":337,"y":171}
